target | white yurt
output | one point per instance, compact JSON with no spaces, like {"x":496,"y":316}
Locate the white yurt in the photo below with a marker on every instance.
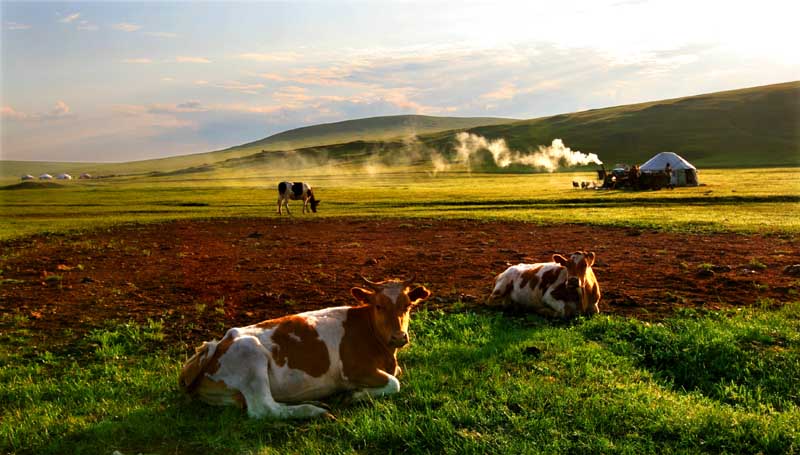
{"x":26,"y":177}
{"x":683,"y":172}
{"x":85,"y":176}
{"x":45,"y":177}
{"x":64,"y":177}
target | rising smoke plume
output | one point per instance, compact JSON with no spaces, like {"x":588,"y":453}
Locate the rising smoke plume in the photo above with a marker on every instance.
{"x":548,"y":158}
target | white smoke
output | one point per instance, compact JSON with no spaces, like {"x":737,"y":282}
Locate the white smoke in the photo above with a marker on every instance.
{"x":545,"y":157}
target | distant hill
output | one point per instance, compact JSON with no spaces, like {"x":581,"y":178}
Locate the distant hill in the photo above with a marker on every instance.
{"x":757,"y":126}
{"x":751,"y":127}
{"x":367,"y":129}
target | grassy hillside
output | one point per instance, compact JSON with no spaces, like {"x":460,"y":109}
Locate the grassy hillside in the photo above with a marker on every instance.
{"x":753,"y":127}
{"x":757,"y":126}
{"x":368,"y":129}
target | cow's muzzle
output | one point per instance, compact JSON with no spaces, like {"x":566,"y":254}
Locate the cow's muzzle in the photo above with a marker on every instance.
{"x":399,"y":340}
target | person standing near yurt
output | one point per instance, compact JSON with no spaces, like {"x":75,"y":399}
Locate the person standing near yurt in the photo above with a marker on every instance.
{"x":668,"y":171}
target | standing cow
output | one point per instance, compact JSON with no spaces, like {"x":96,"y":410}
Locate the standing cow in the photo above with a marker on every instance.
{"x":308,"y":356}
{"x":296,"y":191}
{"x":565,"y":287}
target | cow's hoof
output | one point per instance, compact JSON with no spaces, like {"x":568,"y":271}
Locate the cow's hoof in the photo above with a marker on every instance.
{"x":318,"y":404}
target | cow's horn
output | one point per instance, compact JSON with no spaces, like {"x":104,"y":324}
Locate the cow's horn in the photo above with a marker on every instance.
{"x":410,"y":281}
{"x":371,"y":284}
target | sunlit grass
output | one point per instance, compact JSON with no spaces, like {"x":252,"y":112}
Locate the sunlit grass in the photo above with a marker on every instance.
{"x":745,"y":200}
{"x":473,"y":383}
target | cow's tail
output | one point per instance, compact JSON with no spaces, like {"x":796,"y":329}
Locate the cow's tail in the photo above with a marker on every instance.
{"x":500,"y":291}
{"x":192,"y":371}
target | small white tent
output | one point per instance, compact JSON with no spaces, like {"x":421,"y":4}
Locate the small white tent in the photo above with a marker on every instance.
{"x":64,"y":177}
{"x":683,"y":173}
{"x":45,"y":177}
{"x":26,"y":177}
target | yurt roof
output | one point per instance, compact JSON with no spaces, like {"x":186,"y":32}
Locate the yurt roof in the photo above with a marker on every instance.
{"x":659,"y":162}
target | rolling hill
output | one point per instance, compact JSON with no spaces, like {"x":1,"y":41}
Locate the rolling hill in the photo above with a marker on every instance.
{"x":757,"y":126}
{"x":751,"y":127}
{"x":367,"y":129}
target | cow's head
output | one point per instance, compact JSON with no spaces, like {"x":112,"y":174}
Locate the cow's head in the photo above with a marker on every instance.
{"x":391,"y":302}
{"x":576,"y":265}
{"x":312,"y":201}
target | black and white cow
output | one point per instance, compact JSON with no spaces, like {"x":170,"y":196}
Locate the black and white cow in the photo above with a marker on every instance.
{"x":296,"y":191}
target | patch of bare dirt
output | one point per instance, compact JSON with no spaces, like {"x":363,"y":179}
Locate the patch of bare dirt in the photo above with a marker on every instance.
{"x":202,"y":277}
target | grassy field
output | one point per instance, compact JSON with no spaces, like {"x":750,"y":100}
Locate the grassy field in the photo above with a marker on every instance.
{"x":744,"y":200}
{"x":473,"y":383}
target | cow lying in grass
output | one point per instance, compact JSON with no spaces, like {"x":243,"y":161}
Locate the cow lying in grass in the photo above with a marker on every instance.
{"x":308,"y":356}
{"x":565,"y":287}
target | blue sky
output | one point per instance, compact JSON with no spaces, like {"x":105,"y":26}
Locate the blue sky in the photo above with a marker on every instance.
{"x":113,"y":81}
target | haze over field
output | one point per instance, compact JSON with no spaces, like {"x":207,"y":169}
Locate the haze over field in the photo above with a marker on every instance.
{"x":116,"y":82}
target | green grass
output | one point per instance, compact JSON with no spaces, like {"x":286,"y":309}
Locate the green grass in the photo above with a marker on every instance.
{"x":473,"y":383}
{"x":742,"y":200}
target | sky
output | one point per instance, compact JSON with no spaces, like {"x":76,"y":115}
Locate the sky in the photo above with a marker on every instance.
{"x":122,"y":81}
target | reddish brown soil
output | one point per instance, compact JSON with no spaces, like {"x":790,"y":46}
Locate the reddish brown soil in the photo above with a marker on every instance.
{"x":201,"y":277}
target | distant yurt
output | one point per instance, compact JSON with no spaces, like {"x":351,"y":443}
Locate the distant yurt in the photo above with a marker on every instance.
{"x":85,"y":176}
{"x":64,"y":177}
{"x":26,"y":177}
{"x":45,"y":177}
{"x":682,"y":171}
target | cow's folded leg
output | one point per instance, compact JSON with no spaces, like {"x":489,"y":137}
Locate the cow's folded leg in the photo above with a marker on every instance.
{"x":391,"y":386}
{"x":245,"y":367}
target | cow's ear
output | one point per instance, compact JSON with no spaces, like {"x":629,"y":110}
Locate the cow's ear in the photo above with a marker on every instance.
{"x":560,"y":259}
{"x":590,"y":258}
{"x":362,"y":295}
{"x":418,"y":294}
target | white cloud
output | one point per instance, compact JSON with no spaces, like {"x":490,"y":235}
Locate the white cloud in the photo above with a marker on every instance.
{"x":17,"y":26}
{"x":184,"y":59}
{"x":270,"y":57}
{"x":70,"y":18}
{"x":9,"y":112}
{"x":188,"y":106}
{"x":162,"y":34}
{"x":240,"y":87}
{"x":137,"y":60}
{"x":60,"y":110}
{"x":126,"y":27}
{"x":506,"y":91}
{"x":87,"y":26}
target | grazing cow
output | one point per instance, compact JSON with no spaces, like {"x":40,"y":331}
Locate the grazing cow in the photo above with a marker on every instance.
{"x":296,"y":191}
{"x":565,"y":287}
{"x":308,"y":356}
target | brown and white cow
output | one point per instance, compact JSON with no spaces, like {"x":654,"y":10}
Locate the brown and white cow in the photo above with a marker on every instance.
{"x":308,"y":356}
{"x":296,"y":191}
{"x":565,"y":287}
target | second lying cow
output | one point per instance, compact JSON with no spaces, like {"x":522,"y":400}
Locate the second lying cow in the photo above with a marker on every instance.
{"x":563,"y":288}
